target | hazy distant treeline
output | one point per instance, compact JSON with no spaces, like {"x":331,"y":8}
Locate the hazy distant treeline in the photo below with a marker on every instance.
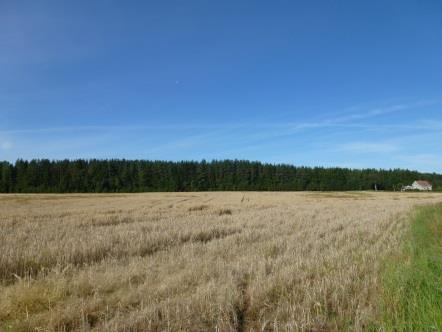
{"x":142,"y":175}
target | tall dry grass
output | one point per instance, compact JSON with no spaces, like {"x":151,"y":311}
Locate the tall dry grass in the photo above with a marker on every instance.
{"x":196,"y":261}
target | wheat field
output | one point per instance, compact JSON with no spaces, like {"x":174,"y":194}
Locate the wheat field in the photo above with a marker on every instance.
{"x":216,"y":261}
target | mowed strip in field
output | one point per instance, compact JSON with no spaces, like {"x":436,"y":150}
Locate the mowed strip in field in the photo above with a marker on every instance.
{"x":225,"y":261}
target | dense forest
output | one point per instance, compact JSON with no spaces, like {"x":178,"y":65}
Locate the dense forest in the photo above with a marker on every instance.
{"x":93,"y":175}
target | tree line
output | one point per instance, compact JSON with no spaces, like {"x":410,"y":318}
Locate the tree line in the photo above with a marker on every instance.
{"x":116,"y":175}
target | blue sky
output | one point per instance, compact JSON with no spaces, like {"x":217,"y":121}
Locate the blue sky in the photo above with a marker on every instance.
{"x":327,"y":83}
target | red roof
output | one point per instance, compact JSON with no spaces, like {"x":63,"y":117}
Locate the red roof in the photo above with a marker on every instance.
{"x":423,"y":183}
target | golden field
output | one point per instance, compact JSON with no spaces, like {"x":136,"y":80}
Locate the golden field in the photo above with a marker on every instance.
{"x":216,"y":261}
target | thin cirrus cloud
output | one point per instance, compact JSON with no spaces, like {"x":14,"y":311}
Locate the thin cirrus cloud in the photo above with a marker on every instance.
{"x":333,"y":120}
{"x":425,"y":162}
{"x":368,"y":147}
{"x":5,"y":145}
{"x":339,"y":139}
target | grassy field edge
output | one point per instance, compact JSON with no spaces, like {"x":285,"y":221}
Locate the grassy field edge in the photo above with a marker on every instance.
{"x":412,"y":280}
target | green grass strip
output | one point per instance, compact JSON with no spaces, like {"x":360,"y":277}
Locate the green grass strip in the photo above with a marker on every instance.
{"x":412,"y":294}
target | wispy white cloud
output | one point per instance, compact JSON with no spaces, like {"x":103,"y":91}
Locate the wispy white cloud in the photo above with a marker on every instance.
{"x":329,"y":140}
{"x":343,"y":121}
{"x":426,"y":162}
{"x":368,"y":147}
{"x":5,"y":145}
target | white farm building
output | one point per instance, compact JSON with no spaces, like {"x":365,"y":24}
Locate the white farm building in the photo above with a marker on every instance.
{"x":420,"y":185}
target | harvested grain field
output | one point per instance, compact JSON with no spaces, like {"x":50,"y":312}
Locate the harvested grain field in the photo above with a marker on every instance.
{"x":197,"y":261}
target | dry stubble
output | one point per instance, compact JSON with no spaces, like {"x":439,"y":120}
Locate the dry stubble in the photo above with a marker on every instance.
{"x":196,"y":261}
